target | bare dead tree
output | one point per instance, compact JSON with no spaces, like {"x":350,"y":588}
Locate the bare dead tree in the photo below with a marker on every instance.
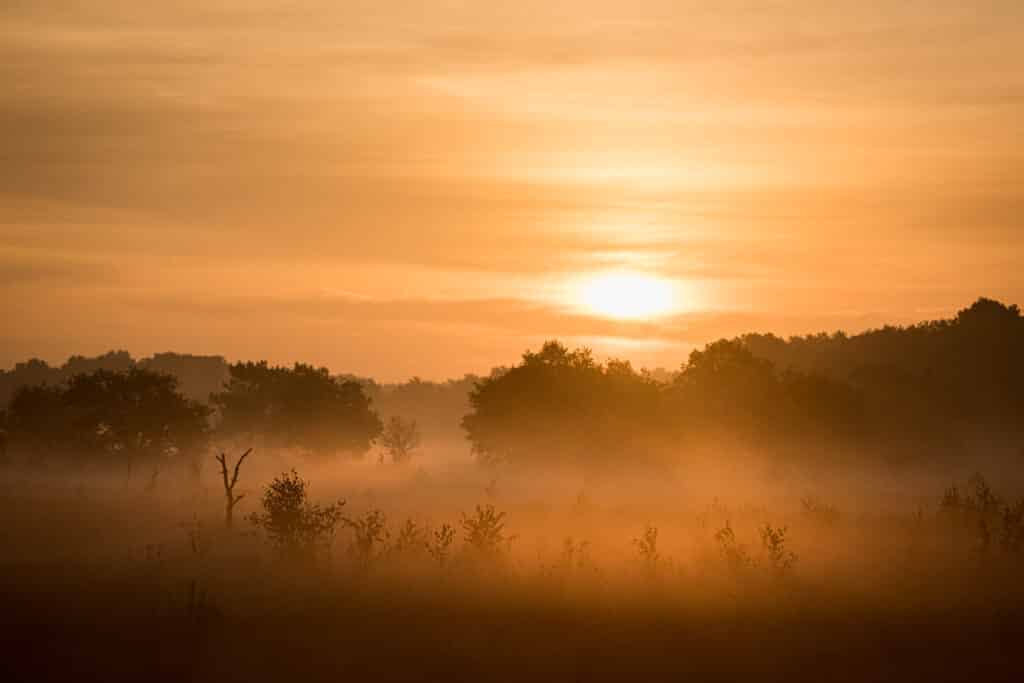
{"x":231,"y":500}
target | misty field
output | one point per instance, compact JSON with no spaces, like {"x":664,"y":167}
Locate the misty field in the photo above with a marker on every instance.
{"x":827,"y":507}
{"x":574,"y":341}
{"x":450,"y":572}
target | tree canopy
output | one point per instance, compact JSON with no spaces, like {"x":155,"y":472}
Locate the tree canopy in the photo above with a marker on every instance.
{"x":964,"y":370}
{"x":560,"y":404}
{"x":299,"y":407}
{"x":108,"y":416}
{"x":197,"y":376}
{"x":927,"y":385}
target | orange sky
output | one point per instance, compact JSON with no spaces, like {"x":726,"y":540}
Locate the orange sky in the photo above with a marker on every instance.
{"x":398,"y":188}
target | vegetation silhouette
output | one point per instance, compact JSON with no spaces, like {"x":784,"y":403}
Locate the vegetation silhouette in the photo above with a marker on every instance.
{"x":400,"y":439}
{"x":108,"y":417}
{"x":561,"y":405}
{"x":300,"y":407}
{"x":927,"y":391}
{"x":967,"y":370}
{"x":295,"y":526}
{"x":198,"y":376}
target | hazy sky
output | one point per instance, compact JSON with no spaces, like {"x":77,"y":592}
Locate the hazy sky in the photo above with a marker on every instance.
{"x":398,"y":188}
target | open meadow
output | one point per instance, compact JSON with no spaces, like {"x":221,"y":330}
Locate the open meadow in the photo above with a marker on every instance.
{"x":452,"y":573}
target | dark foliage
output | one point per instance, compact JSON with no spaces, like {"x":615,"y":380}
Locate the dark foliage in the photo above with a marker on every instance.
{"x":197,"y":376}
{"x":930,"y":386}
{"x":300,"y":407}
{"x":929,"y":389}
{"x":108,"y":416}
{"x":563,"y":405}
{"x":298,"y":528}
{"x":969,"y":369}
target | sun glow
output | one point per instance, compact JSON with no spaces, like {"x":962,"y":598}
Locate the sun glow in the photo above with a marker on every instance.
{"x":626,"y":295}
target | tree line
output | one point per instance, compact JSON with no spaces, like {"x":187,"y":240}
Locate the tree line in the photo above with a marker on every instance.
{"x":927,"y":387}
{"x":927,"y":390}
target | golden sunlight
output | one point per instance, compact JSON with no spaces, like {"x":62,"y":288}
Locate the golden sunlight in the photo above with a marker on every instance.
{"x":626,"y":295}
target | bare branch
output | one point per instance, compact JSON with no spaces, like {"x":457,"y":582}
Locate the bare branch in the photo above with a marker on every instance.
{"x":234,"y":477}
{"x":230,"y":499}
{"x":223,"y":468}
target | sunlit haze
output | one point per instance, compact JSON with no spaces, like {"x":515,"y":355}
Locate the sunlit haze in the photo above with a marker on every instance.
{"x":626,"y":295}
{"x":397,"y":188}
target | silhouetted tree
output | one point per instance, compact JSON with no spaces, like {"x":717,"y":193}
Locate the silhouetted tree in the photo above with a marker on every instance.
{"x":562,"y":405}
{"x":300,"y":407}
{"x":36,"y":372}
{"x":400,"y":438}
{"x":114,"y":361}
{"x":824,"y":404}
{"x":118,"y":417}
{"x":197,"y":376}
{"x":926,"y":382}
{"x":725,"y":386}
{"x":31,"y":373}
{"x":38,"y":421}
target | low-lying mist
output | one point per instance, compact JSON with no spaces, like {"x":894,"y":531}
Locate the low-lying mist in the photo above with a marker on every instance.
{"x":439,"y":567}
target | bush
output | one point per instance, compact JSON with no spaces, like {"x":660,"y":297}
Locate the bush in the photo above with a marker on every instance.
{"x":735,"y":556}
{"x":485,"y":532}
{"x":411,"y":540}
{"x":773,"y":540}
{"x":983,"y":516}
{"x":295,"y":526}
{"x":440,"y":543}
{"x":370,"y":532}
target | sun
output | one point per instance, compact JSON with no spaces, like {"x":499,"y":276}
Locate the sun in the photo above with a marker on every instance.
{"x":626,"y":295}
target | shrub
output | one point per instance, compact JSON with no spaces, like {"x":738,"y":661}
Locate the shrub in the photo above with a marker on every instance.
{"x":411,"y":539}
{"x":735,"y":556}
{"x":984,"y":516}
{"x":485,"y":531}
{"x":370,"y":531}
{"x":773,"y":541}
{"x":440,"y":542}
{"x":294,"y":525}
